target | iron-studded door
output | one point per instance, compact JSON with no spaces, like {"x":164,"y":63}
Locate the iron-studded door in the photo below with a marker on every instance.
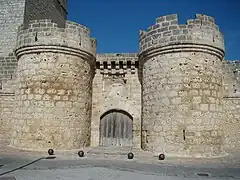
{"x":116,"y":129}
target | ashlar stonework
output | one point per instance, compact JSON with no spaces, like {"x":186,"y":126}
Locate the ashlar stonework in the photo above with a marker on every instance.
{"x":177,"y":95}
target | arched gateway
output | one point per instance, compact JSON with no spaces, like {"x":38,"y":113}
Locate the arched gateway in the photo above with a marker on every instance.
{"x":116,"y":128}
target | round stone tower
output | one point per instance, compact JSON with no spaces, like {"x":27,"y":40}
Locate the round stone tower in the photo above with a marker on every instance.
{"x":181,"y":80}
{"x":54,"y":86}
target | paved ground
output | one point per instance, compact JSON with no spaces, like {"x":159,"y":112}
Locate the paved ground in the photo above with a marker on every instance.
{"x":96,"y":169}
{"x":69,"y":166}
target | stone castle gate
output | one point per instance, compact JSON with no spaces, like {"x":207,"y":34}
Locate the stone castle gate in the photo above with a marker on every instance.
{"x":116,"y":129}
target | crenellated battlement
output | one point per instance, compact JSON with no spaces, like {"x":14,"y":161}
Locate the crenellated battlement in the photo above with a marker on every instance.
{"x":199,"y":19}
{"x":45,"y":34}
{"x":199,"y":34}
{"x":117,"y":63}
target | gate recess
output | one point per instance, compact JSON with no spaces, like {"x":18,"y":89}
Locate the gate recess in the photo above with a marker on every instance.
{"x":116,"y":129}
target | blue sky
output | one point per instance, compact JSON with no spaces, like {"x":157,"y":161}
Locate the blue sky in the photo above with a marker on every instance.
{"x":115,"y":23}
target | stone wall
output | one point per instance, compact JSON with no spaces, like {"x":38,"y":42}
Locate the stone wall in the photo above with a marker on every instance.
{"x":54,"y":77}
{"x":46,"y":9}
{"x":11,"y":16}
{"x":116,"y":86}
{"x":184,"y":99}
{"x":182,"y":87}
{"x":202,"y":30}
{"x":15,"y":12}
{"x":231,"y":78}
{"x":231,"y":125}
{"x":46,"y":31}
{"x":7,"y":109}
{"x":231,"y":106}
{"x":8,"y":65}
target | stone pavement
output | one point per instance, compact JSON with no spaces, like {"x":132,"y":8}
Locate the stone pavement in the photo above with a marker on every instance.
{"x":90,"y":173}
{"x":93,"y":169}
{"x":230,"y":160}
{"x":98,"y":165}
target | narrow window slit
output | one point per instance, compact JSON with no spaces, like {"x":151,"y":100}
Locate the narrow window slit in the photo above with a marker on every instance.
{"x":184,"y":136}
{"x":36,"y":37}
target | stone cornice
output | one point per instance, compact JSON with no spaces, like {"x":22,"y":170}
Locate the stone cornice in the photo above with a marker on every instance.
{"x":181,"y":47}
{"x":56,"y":49}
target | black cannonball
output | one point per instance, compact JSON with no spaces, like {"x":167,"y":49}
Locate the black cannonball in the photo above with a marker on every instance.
{"x":130,"y":155}
{"x":51,"y":152}
{"x":81,"y":153}
{"x":161,"y":157}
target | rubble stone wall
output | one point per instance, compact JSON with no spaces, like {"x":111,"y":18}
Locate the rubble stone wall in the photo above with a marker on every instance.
{"x":182,"y":87}
{"x":231,"y":105}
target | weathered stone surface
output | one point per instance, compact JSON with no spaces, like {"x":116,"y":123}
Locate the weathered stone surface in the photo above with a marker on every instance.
{"x":46,"y":9}
{"x":53,"y":102}
{"x":116,"y":87}
{"x":182,"y":95}
{"x":205,"y":32}
{"x":54,"y":90}
{"x":7,"y":109}
{"x":231,"y":124}
{"x":231,"y":105}
{"x":179,"y":105}
{"x":12,"y":14}
{"x":7,"y":104}
{"x":8,"y":66}
{"x":187,"y":121}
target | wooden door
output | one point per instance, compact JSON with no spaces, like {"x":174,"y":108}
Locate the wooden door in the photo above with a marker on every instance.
{"x":116,"y":129}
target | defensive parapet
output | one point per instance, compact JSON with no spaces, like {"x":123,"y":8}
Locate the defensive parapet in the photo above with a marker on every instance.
{"x":45,"y":35}
{"x":199,"y":34}
{"x":54,"y":93}
{"x":117,"y":64}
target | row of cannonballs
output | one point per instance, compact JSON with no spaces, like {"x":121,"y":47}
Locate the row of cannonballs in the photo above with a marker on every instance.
{"x":129,"y":155}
